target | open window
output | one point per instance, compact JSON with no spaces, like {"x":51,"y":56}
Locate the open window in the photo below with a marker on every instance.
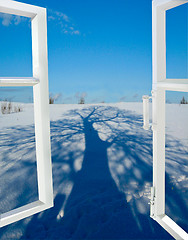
{"x":160,"y":85}
{"x":39,"y":82}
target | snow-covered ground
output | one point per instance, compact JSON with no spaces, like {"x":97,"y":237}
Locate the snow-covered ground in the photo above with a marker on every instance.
{"x":102,"y":172}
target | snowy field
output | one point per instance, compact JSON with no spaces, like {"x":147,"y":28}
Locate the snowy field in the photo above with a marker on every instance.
{"x":102,"y":172}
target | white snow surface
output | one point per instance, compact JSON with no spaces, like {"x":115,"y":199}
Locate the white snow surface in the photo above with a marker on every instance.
{"x":102,"y":172}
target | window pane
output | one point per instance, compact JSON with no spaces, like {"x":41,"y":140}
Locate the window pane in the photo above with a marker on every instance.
{"x":176,"y":38}
{"x":15,"y":46}
{"x":18,"y":172}
{"x":177,"y":160}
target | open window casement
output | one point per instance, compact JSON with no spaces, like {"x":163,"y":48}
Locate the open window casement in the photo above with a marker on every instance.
{"x":39,"y":81}
{"x":160,"y":85}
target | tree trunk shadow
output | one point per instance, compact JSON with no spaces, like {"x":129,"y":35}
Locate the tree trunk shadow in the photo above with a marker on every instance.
{"x":95,"y":208}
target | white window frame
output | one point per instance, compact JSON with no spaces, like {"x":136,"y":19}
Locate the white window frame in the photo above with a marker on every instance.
{"x":39,"y":81}
{"x":160,"y":85}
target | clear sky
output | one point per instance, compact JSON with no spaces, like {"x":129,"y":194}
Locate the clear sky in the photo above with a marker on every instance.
{"x":99,"y":49}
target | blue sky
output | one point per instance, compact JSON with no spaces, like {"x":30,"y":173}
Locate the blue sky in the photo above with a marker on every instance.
{"x":98,"y":49}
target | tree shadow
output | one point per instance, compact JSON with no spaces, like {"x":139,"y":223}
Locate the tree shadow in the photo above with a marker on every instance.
{"x":17,"y":147}
{"x":102,"y":167}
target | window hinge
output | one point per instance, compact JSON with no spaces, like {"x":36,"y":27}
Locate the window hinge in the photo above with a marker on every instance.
{"x":152,"y":202}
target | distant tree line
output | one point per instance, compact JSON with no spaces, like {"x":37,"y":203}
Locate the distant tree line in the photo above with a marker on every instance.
{"x":183,"y":101}
{"x":7,"y":108}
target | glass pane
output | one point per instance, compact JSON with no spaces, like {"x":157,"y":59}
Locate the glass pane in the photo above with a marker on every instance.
{"x":177,"y":159}
{"x":15,"y":46}
{"x":18,"y":172}
{"x":176,"y":39}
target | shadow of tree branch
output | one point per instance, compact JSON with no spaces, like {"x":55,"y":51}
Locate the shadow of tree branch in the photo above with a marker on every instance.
{"x":102,"y":168}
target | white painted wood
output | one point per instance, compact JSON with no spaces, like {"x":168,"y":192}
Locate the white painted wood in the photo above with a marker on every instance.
{"x":159,"y":44}
{"x":18,"y":8}
{"x":165,"y":5}
{"x":22,"y":212}
{"x":145,"y":99}
{"x":39,"y":81}
{"x":159,"y":74}
{"x":160,"y":85}
{"x":21,"y":82}
{"x":170,"y":226}
{"x":174,"y":85}
{"x":41,"y":107}
{"x":159,"y":151}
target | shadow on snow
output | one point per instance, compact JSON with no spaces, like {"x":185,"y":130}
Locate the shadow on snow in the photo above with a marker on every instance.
{"x":102,"y":170}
